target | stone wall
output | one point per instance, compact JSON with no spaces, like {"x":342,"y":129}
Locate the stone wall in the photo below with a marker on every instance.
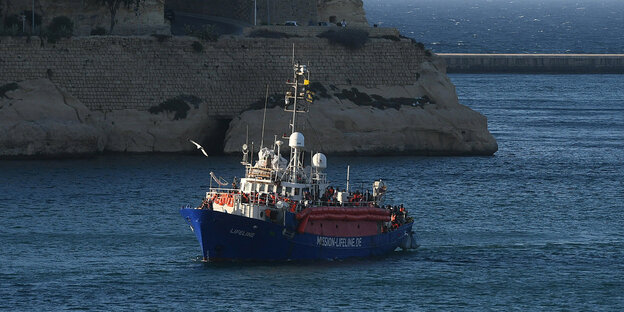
{"x":148,"y":19}
{"x":235,"y":9}
{"x":112,"y":73}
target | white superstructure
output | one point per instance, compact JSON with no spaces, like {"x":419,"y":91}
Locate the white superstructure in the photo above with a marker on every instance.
{"x":273,"y":184}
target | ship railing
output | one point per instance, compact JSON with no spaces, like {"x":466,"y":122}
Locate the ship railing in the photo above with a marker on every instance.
{"x":220,"y":190}
{"x":346,"y":203}
{"x":259,"y":173}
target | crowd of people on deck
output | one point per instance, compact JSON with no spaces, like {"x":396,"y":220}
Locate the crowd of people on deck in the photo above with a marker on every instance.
{"x":398,"y":217}
{"x":328,"y":198}
{"x":398,"y":214}
{"x":357,"y":198}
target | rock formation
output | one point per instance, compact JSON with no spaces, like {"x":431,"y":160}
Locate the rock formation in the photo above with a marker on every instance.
{"x":39,"y":119}
{"x":434,"y":123}
{"x":139,"y":131}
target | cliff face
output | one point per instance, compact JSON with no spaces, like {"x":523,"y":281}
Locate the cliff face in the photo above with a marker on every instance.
{"x":40,"y":119}
{"x":335,"y":124}
{"x":129,"y":89}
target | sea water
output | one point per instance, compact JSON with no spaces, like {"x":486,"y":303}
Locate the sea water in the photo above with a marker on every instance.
{"x":537,"y":226}
{"x":505,"y":26}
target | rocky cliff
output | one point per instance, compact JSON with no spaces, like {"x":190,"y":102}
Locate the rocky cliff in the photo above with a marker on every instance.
{"x":142,"y":94}
{"x":40,"y":119}
{"x":423,"y":119}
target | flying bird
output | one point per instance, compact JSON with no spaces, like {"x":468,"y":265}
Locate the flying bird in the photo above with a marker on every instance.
{"x":199,"y":147}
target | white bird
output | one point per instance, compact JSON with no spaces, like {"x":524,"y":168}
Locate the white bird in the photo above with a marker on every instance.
{"x":199,"y":147}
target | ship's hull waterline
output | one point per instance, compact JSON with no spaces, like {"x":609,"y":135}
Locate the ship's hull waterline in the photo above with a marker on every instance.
{"x":229,"y":237}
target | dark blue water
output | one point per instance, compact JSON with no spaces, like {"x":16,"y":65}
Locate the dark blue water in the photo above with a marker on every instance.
{"x":504,"y":26}
{"x":539,"y":226}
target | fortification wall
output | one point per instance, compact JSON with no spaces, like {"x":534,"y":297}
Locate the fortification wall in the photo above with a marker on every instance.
{"x":112,"y":73}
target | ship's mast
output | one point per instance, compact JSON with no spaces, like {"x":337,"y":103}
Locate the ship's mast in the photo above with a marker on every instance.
{"x":299,"y":83}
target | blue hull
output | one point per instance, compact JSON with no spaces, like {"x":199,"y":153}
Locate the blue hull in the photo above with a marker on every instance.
{"x":225,"y":236}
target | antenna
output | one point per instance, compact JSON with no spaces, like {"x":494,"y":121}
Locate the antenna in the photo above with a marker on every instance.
{"x":252,"y":152}
{"x":266,"y":100}
{"x":246,"y":148}
{"x":348,"y":167}
{"x":311,"y":164}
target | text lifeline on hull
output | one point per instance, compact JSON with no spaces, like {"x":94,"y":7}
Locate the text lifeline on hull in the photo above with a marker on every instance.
{"x":283,"y":211}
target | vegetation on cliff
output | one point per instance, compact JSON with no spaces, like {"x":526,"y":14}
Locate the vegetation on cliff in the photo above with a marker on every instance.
{"x":205,"y":32}
{"x":60,"y":27}
{"x":8,"y":87}
{"x":350,"y":38}
{"x":363,"y":99}
{"x":178,"y":105}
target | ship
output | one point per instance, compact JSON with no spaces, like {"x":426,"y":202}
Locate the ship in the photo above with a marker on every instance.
{"x":282,"y":210}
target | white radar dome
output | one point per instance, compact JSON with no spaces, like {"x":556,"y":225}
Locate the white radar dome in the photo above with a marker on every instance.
{"x":296,"y":140}
{"x":319,"y":161}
